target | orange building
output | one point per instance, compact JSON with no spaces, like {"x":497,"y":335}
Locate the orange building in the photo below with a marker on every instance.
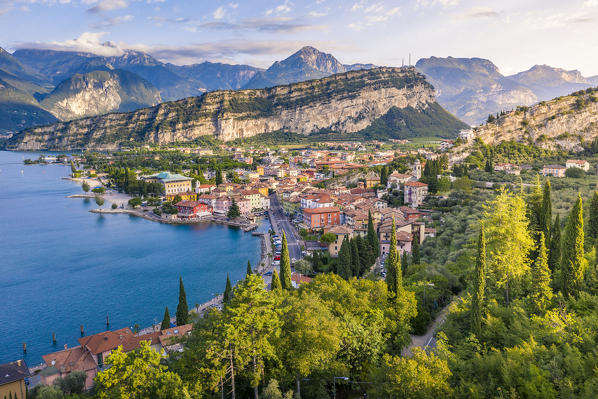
{"x":316,"y":218}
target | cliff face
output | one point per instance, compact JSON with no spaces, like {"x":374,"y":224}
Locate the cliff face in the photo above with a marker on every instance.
{"x":344,"y":103}
{"x":564,"y":122}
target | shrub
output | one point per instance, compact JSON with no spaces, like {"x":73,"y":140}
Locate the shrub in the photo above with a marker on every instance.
{"x":575,"y":173}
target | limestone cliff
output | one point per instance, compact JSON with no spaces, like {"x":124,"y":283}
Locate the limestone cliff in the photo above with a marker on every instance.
{"x":343,"y":103}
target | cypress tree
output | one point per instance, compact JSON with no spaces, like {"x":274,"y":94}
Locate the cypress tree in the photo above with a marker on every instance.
{"x":394,"y":277}
{"x":275,"y":286}
{"x":285,"y":265}
{"x":546,"y":212}
{"x":344,"y":266}
{"x":593,"y":222}
{"x":554,"y":254}
{"x":364,"y":254}
{"x":182,"y":310}
{"x":404,"y":264}
{"x":228,"y":291}
{"x":218,"y":176}
{"x":477,"y":300}
{"x":573,"y":262}
{"x":415,"y":256}
{"x":541,"y":291}
{"x":384,"y":176}
{"x":249,"y":271}
{"x":165,"y":320}
{"x":373,"y":238}
{"x":355,"y":261}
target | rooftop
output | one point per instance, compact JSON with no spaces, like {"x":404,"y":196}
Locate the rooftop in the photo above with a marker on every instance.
{"x":13,"y":371}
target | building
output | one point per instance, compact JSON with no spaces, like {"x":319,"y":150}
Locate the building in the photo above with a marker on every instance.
{"x":13,"y":380}
{"x":553,"y":170}
{"x":576,"y":163}
{"x":466,"y":135}
{"x":62,"y":363}
{"x":415,"y":192}
{"x":416,"y":169}
{"x":316,"y":201}
{"x":188,"y":196}
{"x":173,"y":183}
{"x":297,"y":279}
{"x":169,"y":337}
{"x":341,"y":232}
{"x":316,"y":218}
{"x":193,"y":209}
{"x":397,"y":179}
{"x":371,"y":180}
{"x":403,"y":243}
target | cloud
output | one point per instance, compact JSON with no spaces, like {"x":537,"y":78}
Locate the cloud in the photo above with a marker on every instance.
{"x":113,"y":21}
{"x":108,"y":5}
{"x":317,"y":14}
{"x":372,"y":14}
{"x":273,"y":24}
{"x":283,"y":8}
{"x":437,"y":3}
{"x":219,"y":13}
{"x":87,"y":42}
{"x":478,"y":13}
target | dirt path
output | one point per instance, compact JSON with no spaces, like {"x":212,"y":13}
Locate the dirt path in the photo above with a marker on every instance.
{"x":429,"y":338}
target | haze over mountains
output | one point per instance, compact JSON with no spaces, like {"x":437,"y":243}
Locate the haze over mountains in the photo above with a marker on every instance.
{"x":43,"y":86}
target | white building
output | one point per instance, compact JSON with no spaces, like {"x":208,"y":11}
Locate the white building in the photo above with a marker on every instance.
{"x":576,"y":163}
{"x":415,"y":193}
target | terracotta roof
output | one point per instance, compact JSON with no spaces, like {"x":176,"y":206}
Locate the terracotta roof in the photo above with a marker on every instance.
{"x":577,"y":161}
{"x":340,"y":230}
{"x":554,"y":166}
{"x":134,"y":342}
{"x":416,"y":184}
{"x":105,"y":341}
{"x":72,"y":359}
{"x":168,"y":334}
{"x":13,"y":371}
{"x":300,"y":278}
{"x":189,"y":204}
{"x":321,"y":210}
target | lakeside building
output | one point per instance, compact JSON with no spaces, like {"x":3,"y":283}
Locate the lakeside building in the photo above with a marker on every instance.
{"x":553,"y":170}
{"x":173,"y":183}
{"x":193,"y":209}
{"x":13,"y":378}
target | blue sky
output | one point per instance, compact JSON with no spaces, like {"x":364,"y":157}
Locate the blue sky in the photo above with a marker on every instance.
{"x":514,"y":34}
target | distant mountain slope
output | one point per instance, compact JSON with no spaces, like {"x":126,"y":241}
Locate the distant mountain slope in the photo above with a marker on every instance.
{"x":216,"y":76}
{"x":564,"y":122}
{"x":100,"y":92}
{"x":343,"y":103}
{"x":19,"y":110}
{"x":307,"y":63}
{"x":473,"y":88}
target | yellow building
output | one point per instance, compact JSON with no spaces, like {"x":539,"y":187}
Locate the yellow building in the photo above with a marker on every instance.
{"x":188,"y":196}
{"x":260,"y":170}
{"x":12,"y":380}
{"x":173,"y":183}
{"x":254,"y":197}
{"x":341,"y":232}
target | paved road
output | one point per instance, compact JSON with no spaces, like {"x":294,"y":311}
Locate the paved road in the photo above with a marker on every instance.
{"x":280,"y":222}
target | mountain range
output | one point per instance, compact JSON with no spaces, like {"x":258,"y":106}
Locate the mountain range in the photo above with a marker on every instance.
{"x":44,"y":86}
{"x":473,"y":88}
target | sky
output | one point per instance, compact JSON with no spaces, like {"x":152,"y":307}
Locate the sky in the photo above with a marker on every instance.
{"x":514,"y":34}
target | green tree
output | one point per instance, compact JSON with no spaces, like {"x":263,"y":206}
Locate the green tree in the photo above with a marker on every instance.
{"x":285,"y":265}
{"x":546,"y":211}
{"x":477,"y":300}
{"x":404,"y":263}
{"x":415,"y":254}
{"x":365,"y":255}
{"x":233,"y":211}
{"x":165,"y":320}
{"x":372,"y":238}
{"x":73,"y":169}
{"x":99,"y":200}
{"x":249,"y":271}
{"x":554,"y":255}
{"x":275,"y":285}
{"x":394,"y":276}
{"x":228,"y":290}
{"x":182,"y":310}
{"x":138,"y":374}
{"x":328,"y":238}
{"x":541,"y":292}
{"x":218,"y":176}
{"x":85,"y":186}
{"x":344,"y":263}
{"x":384,"y":176}
{"x":573,"y":261}
{"x":463,"y":185}
{"x":355,"y":260}
{"x":72,"y":384}
{"x":593,"y":221}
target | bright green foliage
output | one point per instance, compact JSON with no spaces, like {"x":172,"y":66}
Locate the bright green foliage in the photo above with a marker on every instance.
{"x":479,"y":288}
{"x":42,"y":392}
{"x":573,"y":261}
{"x":228,"y":290}
{"x":355,"y":259}
{"x":138,"y":374}
{"x":424,"y":376}
{"x":328,"y":238}
{"x":233,"y":210}
{"x":593,"y":222}
{"x":541,"y":292}
{"x":285,"y":265}
{"x":508,"y":241}
{"x":182,"y":310}
{"x":344,"y":264}
{"x":554,"y":255}
{"x":165,"y":320}
{"x":394,"y":275}
{"x":249,"y":271}
{"x":275,"y":285}
{"x":546,"y":211}
{"x":272,"y":391}
{"x":372,"y":237}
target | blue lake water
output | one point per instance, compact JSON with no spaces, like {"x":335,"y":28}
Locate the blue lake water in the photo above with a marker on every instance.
{"x":61,"y":266}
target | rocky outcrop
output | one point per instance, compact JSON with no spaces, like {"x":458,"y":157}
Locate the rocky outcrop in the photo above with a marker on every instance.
{"x":343,"y":103}
{"x":562,"y":123}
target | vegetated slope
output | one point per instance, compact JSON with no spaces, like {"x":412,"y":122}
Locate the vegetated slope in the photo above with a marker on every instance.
{"x":100,"y":92}
{"x":344,"y":103}
{"x":562,"y":123}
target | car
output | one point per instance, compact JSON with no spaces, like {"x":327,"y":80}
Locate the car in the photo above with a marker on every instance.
{"x":268,"y":274}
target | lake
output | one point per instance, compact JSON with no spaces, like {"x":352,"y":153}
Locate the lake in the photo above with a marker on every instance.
{"x":61,"y":266}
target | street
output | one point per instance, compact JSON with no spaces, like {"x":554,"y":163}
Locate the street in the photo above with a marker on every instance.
{"x":279,"y":221}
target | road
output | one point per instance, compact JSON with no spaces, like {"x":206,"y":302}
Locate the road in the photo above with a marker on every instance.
{"x":280,"y":221}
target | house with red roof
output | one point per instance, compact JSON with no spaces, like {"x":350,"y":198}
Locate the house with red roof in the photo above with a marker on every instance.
{"x":414,"y":193}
